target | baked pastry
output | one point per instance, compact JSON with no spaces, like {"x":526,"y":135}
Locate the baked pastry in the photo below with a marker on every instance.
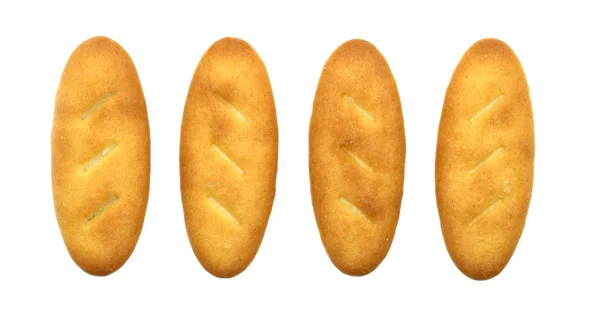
{"x":100,"y":156}
{"x":356,"y":157}
{"x":484,"y":162}
{"x":228,"y":157}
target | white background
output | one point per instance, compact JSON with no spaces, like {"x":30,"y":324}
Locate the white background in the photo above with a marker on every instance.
{"x":553,"y":276}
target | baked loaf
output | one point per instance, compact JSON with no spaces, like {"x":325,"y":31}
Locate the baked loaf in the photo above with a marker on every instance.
{"x":356,"y":157}
{"x":100,"y":156}
{"x":228,"y":157}
{"x":484,"y":163}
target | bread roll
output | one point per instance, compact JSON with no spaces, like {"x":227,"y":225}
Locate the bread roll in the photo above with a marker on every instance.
{"x":100,"y":156}
{"x":484,"y":163}
{"x":228,"y":157}
{"x":356,"y":157}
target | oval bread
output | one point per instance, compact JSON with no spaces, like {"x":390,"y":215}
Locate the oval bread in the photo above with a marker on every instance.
{"x":356,"y":157}
{"x":228,"y":157}
{"x":484,"y":163}
{"x":100,"y":156}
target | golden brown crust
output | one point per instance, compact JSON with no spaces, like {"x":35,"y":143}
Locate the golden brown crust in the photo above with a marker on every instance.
{"x":100,"y":156}
{"x":484,"y":163}
{"x":228,"y":157}
{"x":356,"y":157}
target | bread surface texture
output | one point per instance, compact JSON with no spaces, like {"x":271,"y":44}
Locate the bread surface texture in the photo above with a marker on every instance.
{"x":356,"y":157}
{"x":228,"y":157}
{"x":100,"y":156}
{"x":484,"y":162}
